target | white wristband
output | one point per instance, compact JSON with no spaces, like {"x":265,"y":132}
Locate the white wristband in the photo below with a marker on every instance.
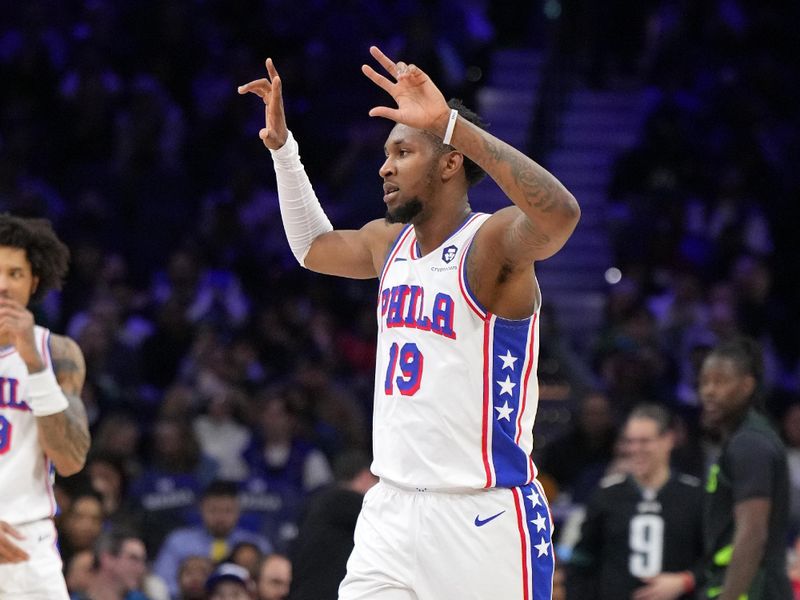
{"x":45,"y":396}
{"x":451,"y":125}
{"x":303,"y":217}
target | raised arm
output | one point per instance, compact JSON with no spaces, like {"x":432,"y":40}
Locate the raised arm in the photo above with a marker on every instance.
{"x":548,"y":213}
{"x":358,"y":254}
{"x":65,"y":435}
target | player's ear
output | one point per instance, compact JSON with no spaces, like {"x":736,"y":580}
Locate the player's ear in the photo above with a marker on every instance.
{"x":451,"y":162}
{"x":34,"y":284}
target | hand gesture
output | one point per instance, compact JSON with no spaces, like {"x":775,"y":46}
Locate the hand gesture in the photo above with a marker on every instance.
{"x":268,"y":89}
{"x":420,"y":104}
{"x":9,"y":551}
{"x":16,"y":326}
{"x":666,"y":586}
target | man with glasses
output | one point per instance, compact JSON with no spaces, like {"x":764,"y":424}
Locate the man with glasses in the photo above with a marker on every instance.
{"x":641,"y":523}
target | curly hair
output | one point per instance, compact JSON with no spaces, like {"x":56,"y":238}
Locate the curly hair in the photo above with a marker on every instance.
{"x":48,"y":255}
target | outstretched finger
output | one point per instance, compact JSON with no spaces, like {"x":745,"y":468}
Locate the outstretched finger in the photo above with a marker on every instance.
{"x":275,"y":107}
{"x":271,"y":70}
{"x":258,"y":86}
{"x":377,"y":78}
{"x":386,"y":62}
{"x":385,"y":112}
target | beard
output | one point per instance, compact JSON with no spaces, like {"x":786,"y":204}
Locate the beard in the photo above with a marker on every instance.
{"x":405,"y":213}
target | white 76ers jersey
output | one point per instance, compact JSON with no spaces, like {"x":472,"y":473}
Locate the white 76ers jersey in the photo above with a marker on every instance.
{"x":26,"y":474}
{"x":455,"y":385}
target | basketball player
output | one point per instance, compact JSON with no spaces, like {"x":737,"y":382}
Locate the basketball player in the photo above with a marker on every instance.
{"x":641,"y":524}
{"x":458,"y":512}
{"x":747,"y":500}
{"x":43,"y":423}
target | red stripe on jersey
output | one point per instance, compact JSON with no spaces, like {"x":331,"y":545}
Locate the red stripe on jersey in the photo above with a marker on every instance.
{"x":485,"y":424}
{"x":523,"y":543}
{"x":524,"y":395}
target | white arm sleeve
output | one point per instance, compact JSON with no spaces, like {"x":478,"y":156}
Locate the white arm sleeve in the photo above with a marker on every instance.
{"x":302,"y":215}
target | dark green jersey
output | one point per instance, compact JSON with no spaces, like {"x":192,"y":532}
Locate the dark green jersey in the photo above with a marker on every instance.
{"x":752,"y":464}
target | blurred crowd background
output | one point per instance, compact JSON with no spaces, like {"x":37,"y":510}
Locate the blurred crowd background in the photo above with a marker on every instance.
{"x":214,"y":360}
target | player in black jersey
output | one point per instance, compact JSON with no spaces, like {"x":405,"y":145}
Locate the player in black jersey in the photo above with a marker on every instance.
{"x":641,"y":524}
{"x":747,"y":504}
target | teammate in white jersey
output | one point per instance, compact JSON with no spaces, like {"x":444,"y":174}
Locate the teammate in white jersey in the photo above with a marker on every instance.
{"x":43,"y":425}
{"x":458,"y":512}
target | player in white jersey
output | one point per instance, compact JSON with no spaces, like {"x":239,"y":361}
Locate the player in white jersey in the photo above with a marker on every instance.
{"x":458,"y":512}
{"x":43,"y":425}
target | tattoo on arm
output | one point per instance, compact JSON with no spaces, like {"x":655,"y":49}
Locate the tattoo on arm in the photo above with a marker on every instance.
{"x":535,"y":183}
{"x":65,"y":435}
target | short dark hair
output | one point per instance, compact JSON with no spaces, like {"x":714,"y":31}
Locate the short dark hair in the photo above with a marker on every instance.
{"x":112,"y":540}
{"x":745,"y":353}
{"x":654,"y":412}
{"x":472,"y":171}
{"x":48,"y":255}
{"x":221,"y":487}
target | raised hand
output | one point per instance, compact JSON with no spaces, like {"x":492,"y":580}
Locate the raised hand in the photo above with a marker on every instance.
{"x":420,"y":104}
{"x":16,"y":326}
{"x":275,"y":132}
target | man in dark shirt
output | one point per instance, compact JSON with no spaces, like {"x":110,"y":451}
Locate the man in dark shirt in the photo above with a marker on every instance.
{"x":325,"y":540}
{"x":641,"y":524}
{"x":747,"y":503}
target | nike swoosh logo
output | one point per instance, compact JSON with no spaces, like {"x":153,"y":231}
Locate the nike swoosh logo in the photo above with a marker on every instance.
{"x":481,"y":522}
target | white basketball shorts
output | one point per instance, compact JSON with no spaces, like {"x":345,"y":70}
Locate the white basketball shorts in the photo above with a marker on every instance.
{"x":422,"y":545}
{"x":38,"y":578}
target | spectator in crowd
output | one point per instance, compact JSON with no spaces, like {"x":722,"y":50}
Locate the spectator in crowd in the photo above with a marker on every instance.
{"x":165,"y":494}
{"x":247,"y":555}
{"x":78,"y":571}
{"x":642,"y":523}
{"x":274,"y":578}
{"x":193,"y":573}
{"x":220,"y":434}
{"x":82,"y":524}
{"x":107,"y":476}
{"x":120,"y":564}
{"x":279,"y":452}
{"x":578,"y":459}
{"x":214,"y":538}
{"x":325,"y":538}
{"x":284,"y":468}
{"x":230,"y":582}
